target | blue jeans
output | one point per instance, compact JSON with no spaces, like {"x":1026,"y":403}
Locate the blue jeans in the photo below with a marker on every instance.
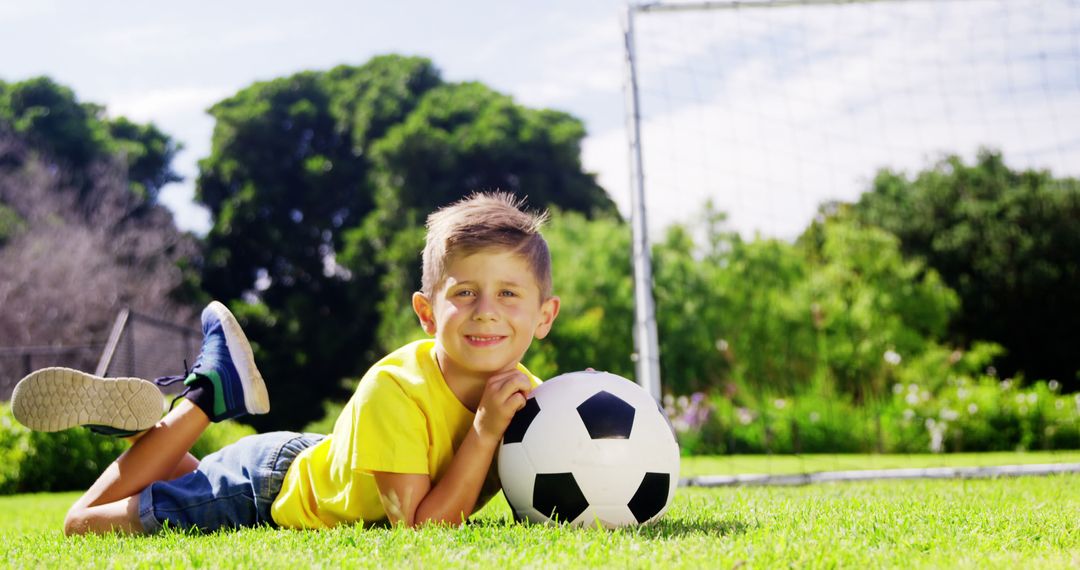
{"x":232,"y":487}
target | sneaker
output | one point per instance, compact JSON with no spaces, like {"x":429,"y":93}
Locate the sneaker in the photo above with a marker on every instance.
{"x":227,"y":363}
{"x":54,"y":399}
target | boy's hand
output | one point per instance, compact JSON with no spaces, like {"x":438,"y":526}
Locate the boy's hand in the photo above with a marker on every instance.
{"x":503,"y":396}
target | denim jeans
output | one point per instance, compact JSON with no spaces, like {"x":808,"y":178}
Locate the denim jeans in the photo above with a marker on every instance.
{"x":232,"y":487}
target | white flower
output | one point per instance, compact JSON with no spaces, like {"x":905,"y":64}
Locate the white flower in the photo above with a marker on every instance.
{"x":814,"y":417}
{"x":972,"y":408}
{"x":892,"y":357}
{"x":1021,"y":398}
{"x":909,"y":414}
{"x":1053,"y":385}
{"x":1033,"y":398}
{"x":721,"y":345}
{"x":682,"y":402}
{"x":949,"y":415}
{"x":780,"y":403}
{"x":1059,"y":404}
{"x":897,"y":388}
{"x":913,"y":388}
{"x":912,"y":399}
{"x":962,"y":393}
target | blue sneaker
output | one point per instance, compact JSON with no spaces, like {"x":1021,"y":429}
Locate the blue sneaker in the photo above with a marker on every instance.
{"x":228,"y":365}
{"x":55,"y":399}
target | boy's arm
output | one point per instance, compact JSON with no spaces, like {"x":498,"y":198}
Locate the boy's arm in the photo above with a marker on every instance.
{"x":411,"y":499}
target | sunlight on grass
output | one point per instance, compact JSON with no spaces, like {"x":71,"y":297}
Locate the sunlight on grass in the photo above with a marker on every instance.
{"x":1002,"y":523}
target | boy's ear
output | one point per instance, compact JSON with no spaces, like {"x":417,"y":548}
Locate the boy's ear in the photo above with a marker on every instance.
{"x":549,"y":310}
{"x":421,"y":305}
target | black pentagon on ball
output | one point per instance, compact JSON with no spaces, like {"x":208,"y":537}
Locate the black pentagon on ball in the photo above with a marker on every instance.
{"x":557,"y":496}
{"x":519,"y":424}
{"x":650,"y":497}
{"x":607,"y":416}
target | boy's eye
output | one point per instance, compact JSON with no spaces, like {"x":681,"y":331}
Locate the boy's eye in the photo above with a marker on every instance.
{"x":507,"y":293}
{"x":464,"y":293}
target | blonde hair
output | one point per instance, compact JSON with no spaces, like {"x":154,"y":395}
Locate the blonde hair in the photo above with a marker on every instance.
{"x":480,"y":222}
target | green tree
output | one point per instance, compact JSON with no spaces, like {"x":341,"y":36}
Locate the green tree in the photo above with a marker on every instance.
{"x":865,"y":300}
{"x":77,"y":134}
{"x":1008,"y":241}
{"x":591,"y":273}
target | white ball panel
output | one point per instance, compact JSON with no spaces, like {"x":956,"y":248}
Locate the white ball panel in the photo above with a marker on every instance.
{"x":516,"y":474}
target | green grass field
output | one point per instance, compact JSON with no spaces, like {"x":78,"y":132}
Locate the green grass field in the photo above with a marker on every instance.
{"x":1004,"y":523}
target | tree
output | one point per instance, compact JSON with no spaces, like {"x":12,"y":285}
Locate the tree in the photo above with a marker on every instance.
{"x":319,"y":184}
{"x":81,"y":233}
{"x":76,"y":135}
{"x":1007,"y":241}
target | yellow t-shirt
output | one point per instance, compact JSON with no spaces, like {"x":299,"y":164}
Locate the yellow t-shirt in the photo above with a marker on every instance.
{"x":403,"y":418}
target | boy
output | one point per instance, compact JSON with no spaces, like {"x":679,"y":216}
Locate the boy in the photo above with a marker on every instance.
{"x":414,"y":444}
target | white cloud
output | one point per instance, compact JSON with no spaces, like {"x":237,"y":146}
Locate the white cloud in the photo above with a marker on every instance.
{"x":161,"y":104}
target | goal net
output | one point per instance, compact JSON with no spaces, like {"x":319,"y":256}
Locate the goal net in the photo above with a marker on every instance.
{"x":770,"y":109}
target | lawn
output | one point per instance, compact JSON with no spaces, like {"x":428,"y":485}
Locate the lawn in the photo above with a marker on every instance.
{"x":1004,"y":523}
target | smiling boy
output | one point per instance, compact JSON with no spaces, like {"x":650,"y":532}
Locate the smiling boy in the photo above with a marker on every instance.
{"x":414,"y":444}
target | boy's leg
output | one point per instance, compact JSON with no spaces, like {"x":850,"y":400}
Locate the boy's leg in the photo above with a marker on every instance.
{"x":112,"y":502}
{"x":224,"y":383}
{"x":155,"y":456}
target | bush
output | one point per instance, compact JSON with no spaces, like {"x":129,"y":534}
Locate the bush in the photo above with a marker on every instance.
{"x":325,"y":425}
{"x":963,"y":415}
{"x":72,"y":459}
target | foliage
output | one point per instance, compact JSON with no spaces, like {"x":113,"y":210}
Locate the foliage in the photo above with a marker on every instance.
{"x":1007,"y":241}
{"x":77,"y":134}
{"x":965,"y":414}
{"x":218,"y":435}
{"x":591,"y":275}
{"x":32,"y":461}
{"x":319,"y":184}
{"x":11,"y":224}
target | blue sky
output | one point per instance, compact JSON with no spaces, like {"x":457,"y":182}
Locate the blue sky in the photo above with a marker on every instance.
{"x":767,"y":112}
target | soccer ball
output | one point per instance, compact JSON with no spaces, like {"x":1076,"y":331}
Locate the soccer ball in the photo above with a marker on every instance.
{"x":589,"y":447}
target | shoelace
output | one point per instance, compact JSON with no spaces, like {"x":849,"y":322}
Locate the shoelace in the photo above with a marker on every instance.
{"x":164,"y":381}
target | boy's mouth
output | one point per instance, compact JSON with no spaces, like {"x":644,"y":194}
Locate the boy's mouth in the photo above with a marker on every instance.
{"x":482,"y":341}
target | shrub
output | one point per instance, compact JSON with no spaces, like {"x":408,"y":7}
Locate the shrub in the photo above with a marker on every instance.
{"x":962,"y":415}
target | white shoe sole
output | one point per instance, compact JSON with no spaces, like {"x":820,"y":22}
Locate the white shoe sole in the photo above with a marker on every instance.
{"x":54,"y":399}
{"x":256,"y":400}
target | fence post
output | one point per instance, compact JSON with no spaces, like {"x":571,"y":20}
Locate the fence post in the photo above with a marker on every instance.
{"x":114,"y":339}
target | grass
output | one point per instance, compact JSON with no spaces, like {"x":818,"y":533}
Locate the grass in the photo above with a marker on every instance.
{"x":1003,"y":523}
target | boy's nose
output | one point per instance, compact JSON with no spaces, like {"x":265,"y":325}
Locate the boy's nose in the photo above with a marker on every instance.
{"x":485,"y":309}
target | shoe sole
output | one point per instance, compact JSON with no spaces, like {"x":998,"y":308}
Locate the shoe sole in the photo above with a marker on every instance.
{"x":55,"y":399}
{"x":256,"y":400}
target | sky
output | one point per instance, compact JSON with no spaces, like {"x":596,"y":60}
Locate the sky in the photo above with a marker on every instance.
{"x":766,"y":112}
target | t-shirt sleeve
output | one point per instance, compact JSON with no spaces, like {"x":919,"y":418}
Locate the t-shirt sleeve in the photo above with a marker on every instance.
{"x":389,"y":429}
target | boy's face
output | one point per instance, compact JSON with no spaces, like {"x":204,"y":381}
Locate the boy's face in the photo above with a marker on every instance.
{"x":486,"y":313}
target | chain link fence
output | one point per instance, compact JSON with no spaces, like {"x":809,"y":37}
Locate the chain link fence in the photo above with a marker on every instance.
{"x":139,"y":346}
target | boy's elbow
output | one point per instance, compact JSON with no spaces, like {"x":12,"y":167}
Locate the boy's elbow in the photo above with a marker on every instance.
{"x":75,"y":523}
